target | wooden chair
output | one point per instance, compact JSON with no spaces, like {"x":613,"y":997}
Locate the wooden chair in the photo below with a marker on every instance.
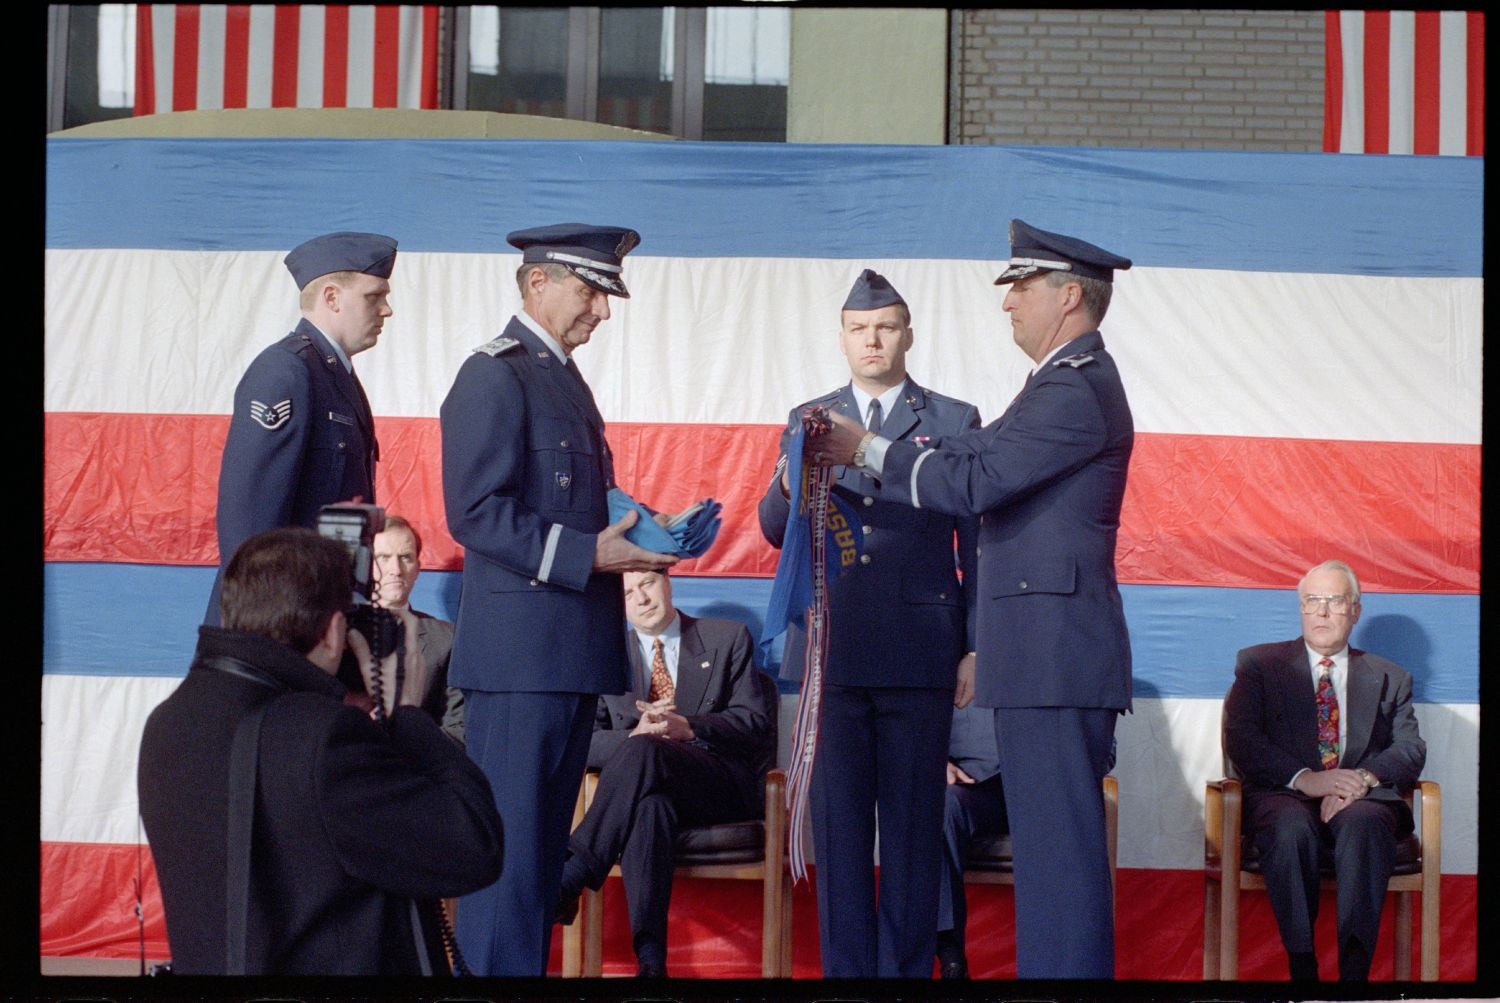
{"x":990,"y":861}
{"x":754,"y":850}
{"x":1230,"y":866}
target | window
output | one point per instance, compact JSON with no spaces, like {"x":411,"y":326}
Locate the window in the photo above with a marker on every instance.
{"x":694,"y":72}
{"x":698,"y":73}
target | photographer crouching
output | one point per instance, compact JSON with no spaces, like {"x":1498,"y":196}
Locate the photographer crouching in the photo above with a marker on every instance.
{"x":292,"y":833}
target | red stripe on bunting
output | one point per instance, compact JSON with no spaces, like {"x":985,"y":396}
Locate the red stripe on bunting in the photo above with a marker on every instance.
{"x":88,"y":895}
{"x":236,"y":55}
{"x":335,"y":55}
{"x":88,"y":901}
{"x":1475,"y":65}
{"x":288,"y":28}
{"x":387,"y":57}
{"x":1427,"y":62}
{"x":1199,"y":510}
{"x":185,"y":59}
{"x":429,"y":56}
{"x":1377,"y":81}
{"x":145,"y":62}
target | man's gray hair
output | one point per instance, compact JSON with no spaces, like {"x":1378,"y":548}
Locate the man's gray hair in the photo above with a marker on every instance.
{"x":1096,"y":292}
{"x":1334,"y":566}
{"x":551,"y":269}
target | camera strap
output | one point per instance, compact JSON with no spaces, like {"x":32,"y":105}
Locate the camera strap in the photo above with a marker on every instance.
{"x":244,"y":755}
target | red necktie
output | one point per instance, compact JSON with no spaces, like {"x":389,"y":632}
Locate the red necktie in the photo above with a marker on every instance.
{"x":1328,"y":718}
{"x":661,"y":682}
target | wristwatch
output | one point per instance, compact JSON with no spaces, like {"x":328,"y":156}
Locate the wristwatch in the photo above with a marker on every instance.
{"x":1368,"y":778}
{"x":859,"y":450}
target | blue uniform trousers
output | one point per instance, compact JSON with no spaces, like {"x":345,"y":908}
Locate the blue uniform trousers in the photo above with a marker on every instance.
{"x":1054,"y":760}
{"x":885,"y":746}
{"x":533,"y":748}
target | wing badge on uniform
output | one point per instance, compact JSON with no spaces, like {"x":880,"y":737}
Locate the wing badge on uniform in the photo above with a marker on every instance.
{"x":271,"y":416}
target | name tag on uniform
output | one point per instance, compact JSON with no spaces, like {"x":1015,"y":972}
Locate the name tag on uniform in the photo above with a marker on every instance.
{"x":342,"y":419}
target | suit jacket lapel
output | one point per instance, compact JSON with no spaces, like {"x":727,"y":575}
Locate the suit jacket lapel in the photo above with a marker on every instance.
{"x":1299,"y":702}
{"x":637,"y":665}
{"x":905,"y":414}
{"x":694,"y":665}
{"x":1362,"y":694}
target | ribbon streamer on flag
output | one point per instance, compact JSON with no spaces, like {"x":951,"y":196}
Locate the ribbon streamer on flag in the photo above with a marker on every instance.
{"x":821,"y":540}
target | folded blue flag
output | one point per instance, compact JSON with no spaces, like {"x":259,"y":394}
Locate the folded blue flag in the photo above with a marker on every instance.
{"x":690,"y":537}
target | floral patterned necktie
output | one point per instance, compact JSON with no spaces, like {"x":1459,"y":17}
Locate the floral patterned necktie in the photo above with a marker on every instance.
{"x":1328,"y":718}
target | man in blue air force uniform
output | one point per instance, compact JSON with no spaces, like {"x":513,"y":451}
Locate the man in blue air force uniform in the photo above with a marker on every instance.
{"x":301,"y":435}
{"x":900,"y":627}
{"x":541,"y":628}
{"x":1047,"y":479}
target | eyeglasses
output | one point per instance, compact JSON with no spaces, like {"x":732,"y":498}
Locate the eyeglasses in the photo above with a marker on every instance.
{"x":1337,"y":605}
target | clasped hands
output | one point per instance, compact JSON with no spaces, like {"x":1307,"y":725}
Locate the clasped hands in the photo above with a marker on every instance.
{"x":661,"y":718}
{"x":1337,"y":788}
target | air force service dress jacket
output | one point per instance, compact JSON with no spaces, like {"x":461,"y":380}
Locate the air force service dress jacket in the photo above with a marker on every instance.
{"x":525,"y":473}
{"x":900,"y":617}
{"x":301,"y":437}
{"x":1049,"y":477}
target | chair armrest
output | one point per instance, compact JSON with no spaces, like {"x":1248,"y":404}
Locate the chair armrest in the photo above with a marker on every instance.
{"x":1221,"y":825}
{"x":1429,"y":797}
{"x":775,"y":851}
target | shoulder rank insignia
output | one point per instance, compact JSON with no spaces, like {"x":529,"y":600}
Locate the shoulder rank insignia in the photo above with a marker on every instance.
{"x":271,"y":416}
{"x":1081,"y":359}
{"x":497,"y":345}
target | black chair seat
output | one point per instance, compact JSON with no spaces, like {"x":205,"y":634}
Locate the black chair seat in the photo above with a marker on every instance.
{"x":1408,"y":857}
{"x":725,"y":843}
{"x":990,"y":854}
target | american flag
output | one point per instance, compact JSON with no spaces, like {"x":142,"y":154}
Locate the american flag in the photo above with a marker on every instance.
{"x":199,"y":56}
{"x":1404,"y":82}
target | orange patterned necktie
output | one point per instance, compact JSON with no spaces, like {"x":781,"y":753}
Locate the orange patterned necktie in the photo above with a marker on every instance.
{"x":661,"y":682}
{"x":1328,"y":718}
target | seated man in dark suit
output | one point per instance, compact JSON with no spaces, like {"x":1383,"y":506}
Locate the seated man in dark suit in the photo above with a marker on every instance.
{"x":1325,"y":737}
{"x":689,"y":745}
{"x":397,"y":560}
{"x":974,"y":807}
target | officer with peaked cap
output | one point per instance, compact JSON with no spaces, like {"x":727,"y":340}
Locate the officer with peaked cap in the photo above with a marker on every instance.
{"x":541,"y":627}
{"x":301,"y":435}
{"x":901,"y":625}
{"x":1047,"y":479}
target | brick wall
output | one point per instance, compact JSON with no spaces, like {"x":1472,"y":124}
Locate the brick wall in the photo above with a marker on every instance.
{"x":1184,"y":79}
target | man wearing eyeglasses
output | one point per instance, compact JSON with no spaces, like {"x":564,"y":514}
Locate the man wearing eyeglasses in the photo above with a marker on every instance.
{"x":1325,"y":738}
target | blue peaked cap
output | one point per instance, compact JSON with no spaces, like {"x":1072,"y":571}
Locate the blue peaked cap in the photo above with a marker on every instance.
{"x":872,"y":291}
{"x":1033,"y":251}
{"x":345,"y":251}
{"x":593,"y":253}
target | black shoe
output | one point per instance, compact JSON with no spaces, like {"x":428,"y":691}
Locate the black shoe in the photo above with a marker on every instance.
{"x":1303,"y":966}
{"x":954,"y":970}
{"x":651,"y":970}
{"x":567,"y":907}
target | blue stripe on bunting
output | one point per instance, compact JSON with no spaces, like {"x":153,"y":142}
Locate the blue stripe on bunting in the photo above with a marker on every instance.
{"x":132,"y":619}
{"x":1163,"y":208}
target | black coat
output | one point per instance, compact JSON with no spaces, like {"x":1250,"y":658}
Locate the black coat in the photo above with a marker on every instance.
{"x":353,"y":821}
